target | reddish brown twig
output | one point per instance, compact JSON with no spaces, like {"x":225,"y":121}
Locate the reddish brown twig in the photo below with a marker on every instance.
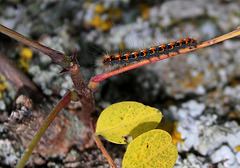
{"x":18,"y":80}
{"x":101,"y":147}
{"x":69,"y":65}
{"x":84,"y":92}
{"x":96,"y":79}
{"x":56,"y":56}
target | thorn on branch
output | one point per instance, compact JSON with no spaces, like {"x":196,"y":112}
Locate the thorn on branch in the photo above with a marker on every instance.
{"x":64,"y":70}
{"x":74,"y":56}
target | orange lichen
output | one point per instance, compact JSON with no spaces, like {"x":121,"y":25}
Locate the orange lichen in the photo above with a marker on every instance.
{"x":99,"y":23}
{"x":237,"y":148}
{"x":3,"y":85}
{"x":96,"y":21}
{"x":233,"y":81}
{"x":171,"y":128}
{"x":194,"y":82}
{"x":26,"y":53}
{"x":121,"y":46}
{"x":106,"y":25}
{"x":116,"y":13}
{"x":145,"y":10}
{"x":210,"y":67}
{"x":25,"y":58}
{"x":234,"y":115}
{"x":176,"y":136}
{"x":103,"y":17}
{"x":99,"y":9}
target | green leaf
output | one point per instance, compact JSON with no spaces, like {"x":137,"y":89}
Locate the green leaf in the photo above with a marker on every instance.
{"x":127,"y":119}
{"x":151,"y":149}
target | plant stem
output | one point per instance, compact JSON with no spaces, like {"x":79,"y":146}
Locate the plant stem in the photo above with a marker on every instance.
{"x":61,"y":104}
{"x":69,"y":65}
{"x":96,"y":79}
{"x":56,"y":56}
{"x":85,"y":93}
{"x":101,"y":147}
{"x":104,"y":151}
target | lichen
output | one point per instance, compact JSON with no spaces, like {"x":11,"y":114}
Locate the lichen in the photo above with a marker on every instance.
{"x":171,"y":128}
{"x":8,"y":152}
{"x":25,"y":58}
{"x":102,"y":16}
{"x":3,"y":85}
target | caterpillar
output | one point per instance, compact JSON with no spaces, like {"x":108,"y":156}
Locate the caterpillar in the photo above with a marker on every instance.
{"x":110,"y":60}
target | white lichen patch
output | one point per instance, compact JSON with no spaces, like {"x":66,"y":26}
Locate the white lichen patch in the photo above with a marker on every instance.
{"x":225,"y":156}
{"x":208,"y":138}
{"x":8,"y":152}
{"x":190,"y":161}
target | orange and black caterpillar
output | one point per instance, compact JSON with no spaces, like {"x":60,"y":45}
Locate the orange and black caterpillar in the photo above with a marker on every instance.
{"x":110,"y":60}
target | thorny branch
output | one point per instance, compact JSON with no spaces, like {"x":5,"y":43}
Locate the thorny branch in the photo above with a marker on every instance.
{"x":69,"y":65}
{"x":56,"y":56}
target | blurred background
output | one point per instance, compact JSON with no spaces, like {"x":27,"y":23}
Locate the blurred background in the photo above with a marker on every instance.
{"x":198,"y":92}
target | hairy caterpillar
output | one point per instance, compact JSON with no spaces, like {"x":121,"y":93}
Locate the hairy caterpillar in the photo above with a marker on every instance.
{"x":110,"y":60}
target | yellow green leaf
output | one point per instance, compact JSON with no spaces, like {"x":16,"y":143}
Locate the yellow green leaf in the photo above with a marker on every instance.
{"x":151,"y":149}
{"x":126,"y":119}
